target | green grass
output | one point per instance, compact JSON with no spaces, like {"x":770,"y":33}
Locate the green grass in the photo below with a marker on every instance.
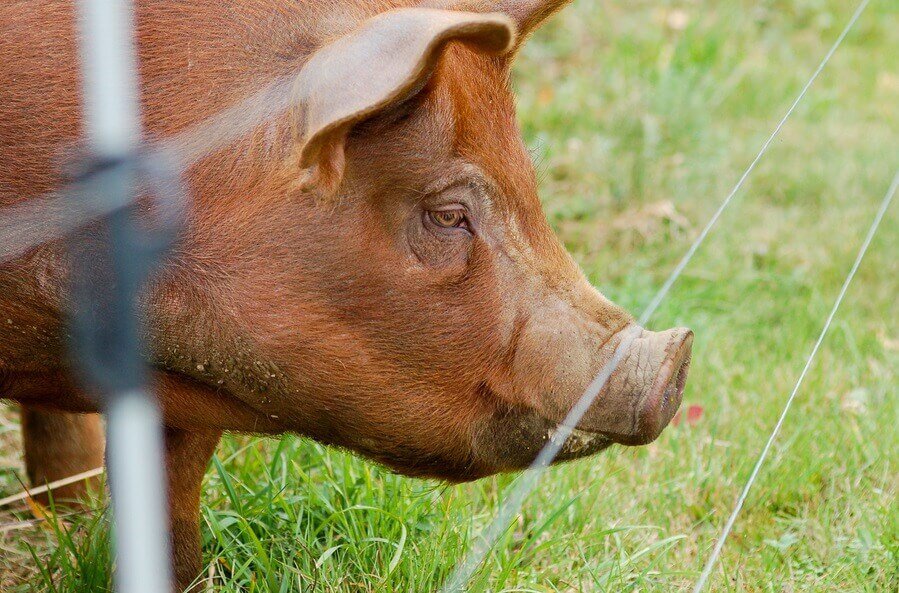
{"x":641,"y":116}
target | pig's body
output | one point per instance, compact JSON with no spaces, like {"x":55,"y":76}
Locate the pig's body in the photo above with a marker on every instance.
{"x":371,"y":268}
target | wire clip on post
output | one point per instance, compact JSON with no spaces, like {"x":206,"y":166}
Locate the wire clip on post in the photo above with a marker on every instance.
{"x":113,"y":258}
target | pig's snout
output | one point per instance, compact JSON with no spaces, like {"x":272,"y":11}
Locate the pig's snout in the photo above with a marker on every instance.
{"x":645,"y":390}
{"x":663,"y":398}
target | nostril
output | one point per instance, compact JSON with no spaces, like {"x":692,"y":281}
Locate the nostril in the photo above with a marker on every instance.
{"x":674,"y":392}
{"x":682,"y":374}
{"x":682,"y":357}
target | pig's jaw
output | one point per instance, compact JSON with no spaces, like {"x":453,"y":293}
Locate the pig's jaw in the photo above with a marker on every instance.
{"x":511,"y":440}
{"x":578,"y":442}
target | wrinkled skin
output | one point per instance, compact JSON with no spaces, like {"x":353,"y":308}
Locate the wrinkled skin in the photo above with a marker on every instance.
{"x":395,"y":289}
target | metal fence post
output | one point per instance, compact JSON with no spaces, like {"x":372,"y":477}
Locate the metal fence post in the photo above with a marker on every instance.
{"x":105,"y":325}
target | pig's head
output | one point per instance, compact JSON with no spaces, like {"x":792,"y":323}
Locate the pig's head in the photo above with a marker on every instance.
{"x":416,"y":306}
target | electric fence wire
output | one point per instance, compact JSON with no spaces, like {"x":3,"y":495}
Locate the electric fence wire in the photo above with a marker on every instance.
{"x":719,"y":545}
{"x":513,"y":501}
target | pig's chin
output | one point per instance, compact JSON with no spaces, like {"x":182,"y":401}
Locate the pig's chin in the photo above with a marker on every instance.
{"x":511,"y":440}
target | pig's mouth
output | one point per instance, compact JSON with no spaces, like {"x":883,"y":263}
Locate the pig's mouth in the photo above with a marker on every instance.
{"x":512,"y":438}
{"x":579,"y":443}
{"x":654,"y":414}
{"x":625,"y":412}
{"x":660,"y":407}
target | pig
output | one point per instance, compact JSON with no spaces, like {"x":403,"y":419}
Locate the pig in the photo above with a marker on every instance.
{"x":370,"y":268}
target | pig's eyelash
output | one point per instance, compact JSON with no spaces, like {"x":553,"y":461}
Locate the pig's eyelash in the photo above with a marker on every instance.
{"x":469,"y":176}
{"x":476,"y":185}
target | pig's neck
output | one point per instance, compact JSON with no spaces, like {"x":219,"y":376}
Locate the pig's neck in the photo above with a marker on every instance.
{"x":192,"y":335}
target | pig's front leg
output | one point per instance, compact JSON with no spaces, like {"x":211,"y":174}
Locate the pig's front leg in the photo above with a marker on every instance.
{"x":58,"y":445}
{"x":187,"y":454}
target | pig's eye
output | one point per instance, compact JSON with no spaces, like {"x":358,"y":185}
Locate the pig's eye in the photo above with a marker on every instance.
{"x":448,"y":219}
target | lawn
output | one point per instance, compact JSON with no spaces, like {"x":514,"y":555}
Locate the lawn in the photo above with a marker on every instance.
{"x":641,"y":116}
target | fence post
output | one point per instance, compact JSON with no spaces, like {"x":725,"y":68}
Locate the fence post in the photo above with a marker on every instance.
{"x":105,"y":325}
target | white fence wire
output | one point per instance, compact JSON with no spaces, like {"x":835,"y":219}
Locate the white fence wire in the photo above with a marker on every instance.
{"x":513,"y":501}
{"x":719,"y":545}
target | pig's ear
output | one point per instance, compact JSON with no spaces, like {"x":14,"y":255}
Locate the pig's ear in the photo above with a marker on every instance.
{"x":528,"y":15}
{"x":386,"y":60}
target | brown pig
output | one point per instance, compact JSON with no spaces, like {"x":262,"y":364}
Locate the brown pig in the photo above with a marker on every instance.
{"x":370,"y":268}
